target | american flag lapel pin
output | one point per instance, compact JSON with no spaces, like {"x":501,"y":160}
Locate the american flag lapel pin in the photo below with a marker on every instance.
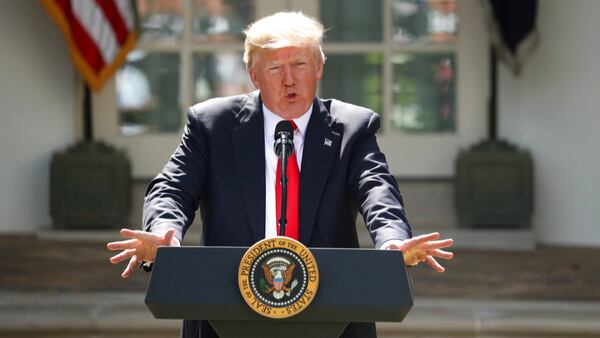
{"x":327,"y":142}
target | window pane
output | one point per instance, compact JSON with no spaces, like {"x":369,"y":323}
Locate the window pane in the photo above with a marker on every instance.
{"x":424,"y":92}
{"x":425,"y":21}
{"x":160,"y":19}
{"x":352,"y":20}
{"x":222,"y":20}
{"x":220,"y":74}
{"x":354,"y":78}
{"x":148,"y":93}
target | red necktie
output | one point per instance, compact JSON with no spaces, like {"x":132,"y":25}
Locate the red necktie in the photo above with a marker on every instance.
{"x":293,"y":189}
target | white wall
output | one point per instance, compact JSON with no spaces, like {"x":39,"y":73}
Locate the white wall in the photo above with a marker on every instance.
{"x":553,"y":109}
{"x":36,"y":112}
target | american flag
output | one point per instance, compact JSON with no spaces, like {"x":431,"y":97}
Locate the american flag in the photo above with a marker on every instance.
{"x":100,"y":33}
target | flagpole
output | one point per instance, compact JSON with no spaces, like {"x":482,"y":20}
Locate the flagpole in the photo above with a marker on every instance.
{"x":493,"y":103}
{"x":88,"y":135}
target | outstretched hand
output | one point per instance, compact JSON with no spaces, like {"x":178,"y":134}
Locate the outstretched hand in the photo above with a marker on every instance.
{"x":424,"y":248}
{"x":140,"y":247}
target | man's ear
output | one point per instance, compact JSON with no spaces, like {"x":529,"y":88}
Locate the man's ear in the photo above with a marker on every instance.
{"x":320,"y":70}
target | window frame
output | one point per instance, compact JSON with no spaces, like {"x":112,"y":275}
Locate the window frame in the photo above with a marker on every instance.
{"x":409,"y":154}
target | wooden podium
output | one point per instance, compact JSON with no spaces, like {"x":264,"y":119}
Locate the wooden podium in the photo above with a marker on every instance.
{"x":355,"y":285}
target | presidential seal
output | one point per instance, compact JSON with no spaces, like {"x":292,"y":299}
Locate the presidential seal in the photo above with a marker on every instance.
{"x":278,"y":277}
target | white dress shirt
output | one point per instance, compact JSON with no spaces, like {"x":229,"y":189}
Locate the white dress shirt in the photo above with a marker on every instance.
{"x":271,"y":120}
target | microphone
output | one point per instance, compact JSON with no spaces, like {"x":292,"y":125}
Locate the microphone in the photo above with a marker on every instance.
{"x":284,"y":138}
{"x":284,"y":145}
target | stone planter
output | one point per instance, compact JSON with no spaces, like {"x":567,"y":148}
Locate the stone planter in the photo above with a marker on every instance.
{"x":90,"y":187}
{"x":494,"y":186}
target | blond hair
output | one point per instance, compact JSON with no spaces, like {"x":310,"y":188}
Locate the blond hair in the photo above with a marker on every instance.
{"x":283,"y":29}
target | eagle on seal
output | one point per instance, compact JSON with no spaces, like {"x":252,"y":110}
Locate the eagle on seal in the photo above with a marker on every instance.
{"x":278,"y":280}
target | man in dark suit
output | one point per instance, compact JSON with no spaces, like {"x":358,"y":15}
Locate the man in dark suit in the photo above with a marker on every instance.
{"x":225,"y":165}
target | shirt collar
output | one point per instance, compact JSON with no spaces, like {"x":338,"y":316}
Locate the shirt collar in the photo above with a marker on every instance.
{"x":271,"y":120}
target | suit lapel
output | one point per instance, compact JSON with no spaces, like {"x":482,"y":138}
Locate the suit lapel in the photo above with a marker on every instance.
{"x":249,"y":153}
{"x":320,"y":145}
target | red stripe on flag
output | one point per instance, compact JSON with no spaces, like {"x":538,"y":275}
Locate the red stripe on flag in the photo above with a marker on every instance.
{"x":112,"y":14}
{"x":85,"y":45}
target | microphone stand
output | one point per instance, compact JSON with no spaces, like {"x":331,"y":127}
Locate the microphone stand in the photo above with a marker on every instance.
{"x":284,"y":181}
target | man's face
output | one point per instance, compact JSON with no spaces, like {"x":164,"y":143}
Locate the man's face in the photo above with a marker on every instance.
{"x":287,"y":79}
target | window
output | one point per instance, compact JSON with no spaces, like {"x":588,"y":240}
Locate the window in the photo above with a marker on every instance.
{"x":181,"y":59}
{"x":414,"y":40}
{"x":421,"y":64}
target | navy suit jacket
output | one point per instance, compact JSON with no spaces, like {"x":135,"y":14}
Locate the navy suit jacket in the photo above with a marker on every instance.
{"x":219,"y":167}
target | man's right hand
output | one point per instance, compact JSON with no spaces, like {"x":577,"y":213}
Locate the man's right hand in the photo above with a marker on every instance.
{"x":140,"y":247}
